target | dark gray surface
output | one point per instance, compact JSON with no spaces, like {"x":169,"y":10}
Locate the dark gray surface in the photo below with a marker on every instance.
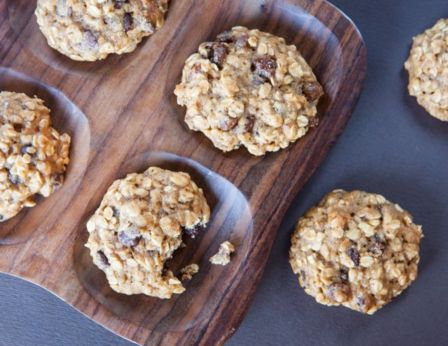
{"x":390,"y":146}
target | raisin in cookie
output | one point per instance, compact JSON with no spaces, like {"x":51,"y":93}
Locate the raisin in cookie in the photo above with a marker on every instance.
{"x":33,"y":155}
{"x":428,"y":70}
{"x":249,"y":88}
{"x":355,"y":249}
{"x":89,"y":30}
{"x":138,"y":227}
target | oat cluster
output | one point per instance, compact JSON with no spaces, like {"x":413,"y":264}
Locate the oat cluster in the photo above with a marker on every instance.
{"x":428,"y":70}
{"x":33,"y":155}
{"x":139,"y":226}
{"x":188,"y":271}
{"x":248,"y":88}
{"x":89,"y":30}
{"x":355,"y":249}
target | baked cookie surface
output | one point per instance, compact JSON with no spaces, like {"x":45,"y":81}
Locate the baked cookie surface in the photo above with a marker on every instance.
{"x":139,"y":226}
{"x":89,"y":30}
{"x":33,"y":155}
{"x":355,"y":249}
{"x":248,"y":88}
{"x":428,"y":70}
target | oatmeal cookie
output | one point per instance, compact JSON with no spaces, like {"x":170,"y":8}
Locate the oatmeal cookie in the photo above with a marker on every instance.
{"x":188,"y":271}
{"x":89,"y":30}
{"x":355,"y":249}
{"x":428,"y":70}
{"x":249,"y":88}
{"x":222,"y":257}
{"x":33,"y":155}
{"x":139,"y":226}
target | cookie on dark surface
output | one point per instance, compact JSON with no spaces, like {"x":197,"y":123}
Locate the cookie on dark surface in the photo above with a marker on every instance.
{"x":355,"y":249}
{"x":428,"y":70}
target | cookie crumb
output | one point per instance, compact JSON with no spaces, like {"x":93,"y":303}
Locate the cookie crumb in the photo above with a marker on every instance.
{"x":222,"y":257}
{"x":188,"y":271}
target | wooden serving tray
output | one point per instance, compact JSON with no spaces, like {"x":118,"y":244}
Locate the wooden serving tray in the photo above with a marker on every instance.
{"x":123,"y":117}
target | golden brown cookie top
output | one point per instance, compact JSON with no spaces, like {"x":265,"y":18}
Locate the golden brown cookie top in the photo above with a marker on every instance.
{"x":89,"y":30}
{"x":428,"y":70}
{"x":139,"y":226}
{"x":33,"y":155}
{"x":249,"y":88}
{"x":355,"y":249}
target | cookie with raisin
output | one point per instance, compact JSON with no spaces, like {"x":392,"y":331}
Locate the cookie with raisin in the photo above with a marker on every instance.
{"x":89,"y":30}
{"x":249,"y":88}
{"x":139,"y":226}
{"x":355,"y":249}
{"x":428,"y":69}
{"x":33,"y":155}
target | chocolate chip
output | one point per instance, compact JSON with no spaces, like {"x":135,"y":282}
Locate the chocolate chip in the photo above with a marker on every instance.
{"x":226,"y":37}
{"x":166,"y":266}
{"x":115,"y":212}
{"x":257,"y":80}
{"x":17,"y":127}
{"x":24,"y":149}
{"x":90,"y":40}
{"x":103,"y":260}
{"x":377,"y":238}
{"x":217,"y":53}
{"x":264,"y":66}
{"x":354,"y":255}
{"x":128,"y":22}
{"x":249,"y":125}
{"x":58,"y":179}
{"x":312,"y":91}
{"x":130,"y":237}
{"x":1,"y":217}
{"x":303,"y":275}
{"x":314,"y":122}
{"x":228,"y":124}
{"x":376,"y":246}
{"x":343,"y":274}
{"x":192,"y":232}
{"x":14,"y":179}
{"x":119,"y":3}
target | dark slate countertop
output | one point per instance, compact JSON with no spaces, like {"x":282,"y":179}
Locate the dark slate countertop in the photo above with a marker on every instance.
{"x":392,"y":147}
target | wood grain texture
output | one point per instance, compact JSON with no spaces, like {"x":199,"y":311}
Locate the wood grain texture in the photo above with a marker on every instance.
{"x":123,"y":117}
